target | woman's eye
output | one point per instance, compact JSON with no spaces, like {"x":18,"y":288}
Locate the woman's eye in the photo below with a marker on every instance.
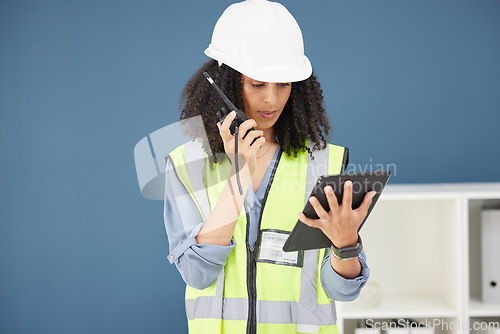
{"x":257,"y":85}
{"x":284,"y":84}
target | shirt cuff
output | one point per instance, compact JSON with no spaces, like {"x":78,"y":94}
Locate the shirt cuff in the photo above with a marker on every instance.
{"x":214,"y":254}
{"x":340,"y":288}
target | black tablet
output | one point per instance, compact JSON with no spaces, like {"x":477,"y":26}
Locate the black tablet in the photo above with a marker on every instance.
{"x":304,"y":237}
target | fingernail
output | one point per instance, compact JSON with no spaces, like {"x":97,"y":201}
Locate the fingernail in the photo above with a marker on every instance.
{"x":233,"y":112}
{"x":328,"y":189}
{"x":348,"y":183}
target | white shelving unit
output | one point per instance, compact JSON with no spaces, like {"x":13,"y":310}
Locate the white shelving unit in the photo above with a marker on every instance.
{"x":423,"y":244}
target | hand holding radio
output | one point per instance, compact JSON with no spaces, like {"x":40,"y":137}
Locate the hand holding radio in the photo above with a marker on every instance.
{"x":229,"y":124}
{"x":240,"y":116}
{"x":247,"y":146}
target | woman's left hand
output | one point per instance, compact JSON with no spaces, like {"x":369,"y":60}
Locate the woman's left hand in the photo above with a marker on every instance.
{"x":341,"y":224}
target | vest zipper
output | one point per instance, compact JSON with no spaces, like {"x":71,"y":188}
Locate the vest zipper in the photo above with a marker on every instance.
{"x":251,"y":263}
{"x":252,"y":291}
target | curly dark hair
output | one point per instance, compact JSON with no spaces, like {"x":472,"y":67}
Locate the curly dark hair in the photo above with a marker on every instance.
{"x":304,"y":115}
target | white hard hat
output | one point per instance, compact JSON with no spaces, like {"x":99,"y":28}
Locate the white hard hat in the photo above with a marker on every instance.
{"x":262,"y":40}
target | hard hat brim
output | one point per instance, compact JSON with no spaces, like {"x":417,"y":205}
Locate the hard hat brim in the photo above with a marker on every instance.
{"x":283,"y":72}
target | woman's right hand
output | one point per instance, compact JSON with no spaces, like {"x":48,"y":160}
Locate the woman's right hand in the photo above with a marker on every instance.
{"x":247,"y":152}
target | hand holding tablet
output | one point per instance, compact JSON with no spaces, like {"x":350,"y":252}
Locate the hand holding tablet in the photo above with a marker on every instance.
{"x":305,"y":237}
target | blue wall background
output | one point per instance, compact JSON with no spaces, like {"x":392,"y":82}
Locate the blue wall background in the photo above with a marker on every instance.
{"x":411,"y":83}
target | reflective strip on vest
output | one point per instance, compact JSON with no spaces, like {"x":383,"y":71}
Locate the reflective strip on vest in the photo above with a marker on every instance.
{"x":272,"y":312}
{"x":195,"y":164}
{"x":308,"y":295}
{"x":208,"y":306}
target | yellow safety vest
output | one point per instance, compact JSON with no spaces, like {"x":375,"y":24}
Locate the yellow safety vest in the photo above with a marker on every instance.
{"x":260,"y":297}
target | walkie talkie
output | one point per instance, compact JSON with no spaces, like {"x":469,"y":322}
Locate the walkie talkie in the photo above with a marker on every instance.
{"x":240,"y":118}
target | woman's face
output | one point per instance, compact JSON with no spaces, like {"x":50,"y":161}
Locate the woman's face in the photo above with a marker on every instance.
{"x":264,"y":101}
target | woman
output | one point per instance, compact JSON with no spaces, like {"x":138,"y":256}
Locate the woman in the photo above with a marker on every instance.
{"x":228,"y":250}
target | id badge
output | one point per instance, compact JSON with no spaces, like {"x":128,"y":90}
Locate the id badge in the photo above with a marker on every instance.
{"x":270,"y":249}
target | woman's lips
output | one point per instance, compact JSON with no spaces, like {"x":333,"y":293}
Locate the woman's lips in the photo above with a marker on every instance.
{"x":267,"y":114}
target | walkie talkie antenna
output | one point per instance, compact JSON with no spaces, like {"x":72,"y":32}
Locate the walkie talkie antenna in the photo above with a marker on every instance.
{"x":232,"y":107}
{"x":224,"y":97}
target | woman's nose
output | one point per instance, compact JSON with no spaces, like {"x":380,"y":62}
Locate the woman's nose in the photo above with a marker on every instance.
{"x":271,"y":94}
